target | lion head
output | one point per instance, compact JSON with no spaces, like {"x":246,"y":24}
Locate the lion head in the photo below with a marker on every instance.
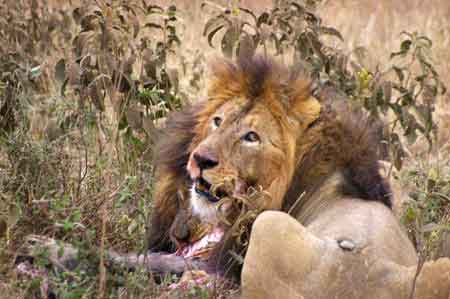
{"x":246,"y":133}
{"x":261,"y":128}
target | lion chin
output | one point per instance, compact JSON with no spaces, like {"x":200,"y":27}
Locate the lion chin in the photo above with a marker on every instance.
{"x":203,"y":208}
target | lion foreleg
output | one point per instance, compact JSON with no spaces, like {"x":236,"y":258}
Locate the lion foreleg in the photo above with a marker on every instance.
{"x":280,"y":249}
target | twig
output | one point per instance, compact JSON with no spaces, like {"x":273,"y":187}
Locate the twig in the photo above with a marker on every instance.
{"x":102,"y":269}
{"x":416,"y":275}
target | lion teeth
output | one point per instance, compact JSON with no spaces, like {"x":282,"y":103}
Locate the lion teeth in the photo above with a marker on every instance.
{"x":200,"y":187}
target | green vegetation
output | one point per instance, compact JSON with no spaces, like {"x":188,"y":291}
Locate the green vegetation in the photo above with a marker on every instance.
{"x":85,"y":84}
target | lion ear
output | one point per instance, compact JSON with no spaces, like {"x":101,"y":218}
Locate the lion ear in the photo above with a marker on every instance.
{"x":307,"y":111}
{"x":303,"y":106}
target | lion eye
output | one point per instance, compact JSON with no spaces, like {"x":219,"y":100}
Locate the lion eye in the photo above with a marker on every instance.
{"x":251,"y":137}
{"x":217,"y":121}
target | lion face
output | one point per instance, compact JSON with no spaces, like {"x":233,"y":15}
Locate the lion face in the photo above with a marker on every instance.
{"x":241,"y":145}
{"x":247,"y":134}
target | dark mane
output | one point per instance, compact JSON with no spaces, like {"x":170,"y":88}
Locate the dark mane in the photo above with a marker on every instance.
{"x":349,"y":143}
{"x":173,"y":141}
{"x":253,"y":76}
{"x":258,"y":70}
{"x":361,"y":155}
{"x":171,"y":154}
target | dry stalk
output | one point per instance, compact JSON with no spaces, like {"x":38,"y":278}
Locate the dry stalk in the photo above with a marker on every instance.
{"x":239,"y":212}
{"x":102,"y":268}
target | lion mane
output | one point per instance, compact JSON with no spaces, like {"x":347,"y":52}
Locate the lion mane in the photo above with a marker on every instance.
{"x":338,"y":139}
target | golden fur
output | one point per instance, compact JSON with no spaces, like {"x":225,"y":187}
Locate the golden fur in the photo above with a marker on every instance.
{"x":303,"y":140}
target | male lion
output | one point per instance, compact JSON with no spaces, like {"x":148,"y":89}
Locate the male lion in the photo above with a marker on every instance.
{"x":261,"y":129}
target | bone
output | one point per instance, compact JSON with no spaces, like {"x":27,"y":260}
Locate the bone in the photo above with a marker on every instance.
{"x":160,"y":263}
{"x":154,"y":262}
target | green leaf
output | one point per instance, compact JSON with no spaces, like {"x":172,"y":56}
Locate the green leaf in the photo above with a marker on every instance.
{"x":426,"y":39}
{"x":172,"y":8}
{"x":60,"y":71}
{"x":387,"y":91}
{"x":77,"y":293}
{"x":212,"y":33}
{"x":173,"y":39}
{"x":214,"y":22}
{"x":410,"y":214}
{"x":262,"y":19}
{"x":63,"y":87}
{"x":408,"y":34}
{"x":300,"y":9}
{"x":411,"y":135}
{"x":68,"y":225}
{"x":60,"y":251}
{"x":154,"y":25}
{"x":35,"y":72}
{"x":399,"y":72}
{"x":331,"y":31}
{"x":249,"y":12}
{"x":3,"y":228}
{"x":151,"y":9}
{"x":405,"y":46}
{"x":229,"y":40}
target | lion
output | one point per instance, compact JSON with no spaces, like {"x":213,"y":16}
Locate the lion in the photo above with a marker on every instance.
{"x":315,"y":157}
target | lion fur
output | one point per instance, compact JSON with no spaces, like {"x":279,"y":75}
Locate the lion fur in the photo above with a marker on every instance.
{"x":335,"y":138}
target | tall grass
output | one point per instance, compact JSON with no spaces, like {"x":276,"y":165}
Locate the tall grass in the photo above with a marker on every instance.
{"x":75,"y":153}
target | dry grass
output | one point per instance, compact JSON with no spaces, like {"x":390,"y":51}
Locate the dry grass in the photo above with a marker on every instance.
{"x":56,"y":180}
{"x":376,"y":25}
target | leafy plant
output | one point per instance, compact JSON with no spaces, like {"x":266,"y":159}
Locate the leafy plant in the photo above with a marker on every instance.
{"x":84,"y":85}
{"x":427,"y":210}
{"x":109,"y":46}
{"x":407,"y":88}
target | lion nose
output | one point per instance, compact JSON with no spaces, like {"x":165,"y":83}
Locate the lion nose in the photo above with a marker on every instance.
{"x":202,"y":158}
{"x":205,"y":159}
